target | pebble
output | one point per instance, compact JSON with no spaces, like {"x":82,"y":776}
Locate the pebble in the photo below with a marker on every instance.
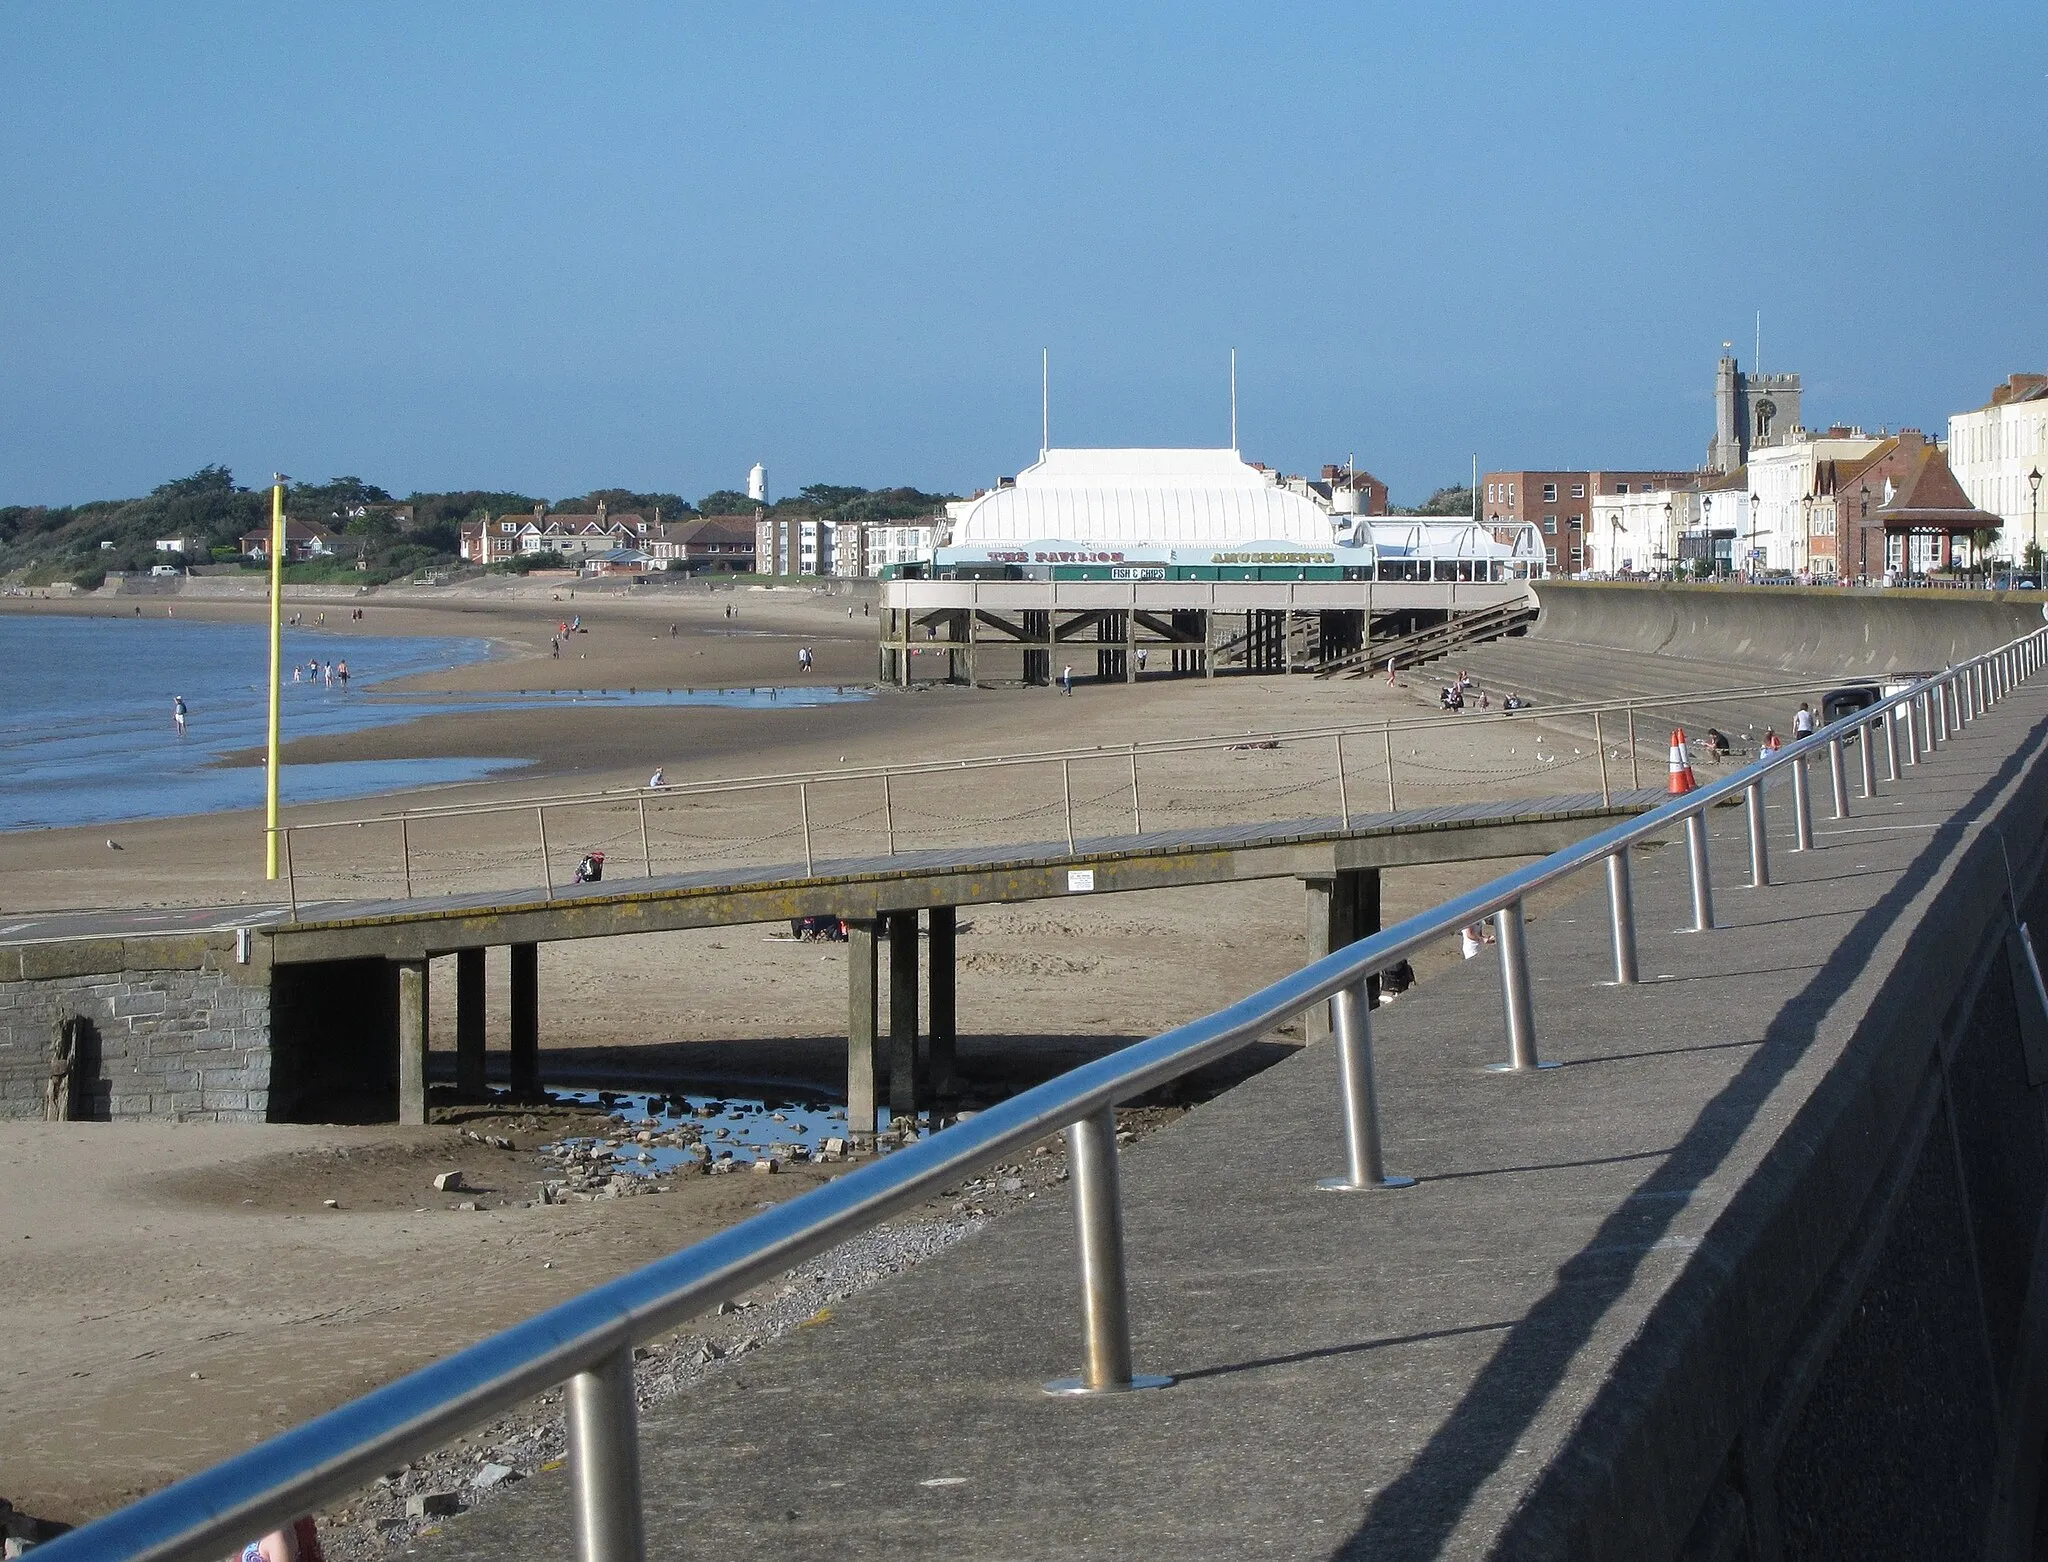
{"x":448,"y":1182}
{"x":492,"y":1475}
{"x":332,"y":1203}
{"x":468,"y":1204}
{"x":432,"y":1505}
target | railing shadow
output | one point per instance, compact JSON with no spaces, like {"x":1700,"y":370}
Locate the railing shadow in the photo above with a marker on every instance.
{"x":1415,"y":1514}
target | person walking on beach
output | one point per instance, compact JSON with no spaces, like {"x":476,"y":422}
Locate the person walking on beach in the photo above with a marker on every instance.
{"x":178,"y":712}
{"x":671,"y":631}
{"x":803,"y":658}
{"x":327,"y":675}
{"x":1067,"y":680}
{"x":1802,"y":721}
{"x":1141,"y":659}
{"x":1771,"y":745}
{"x":341,"y":672}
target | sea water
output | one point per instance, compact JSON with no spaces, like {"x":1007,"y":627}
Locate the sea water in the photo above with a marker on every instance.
{"x":87,"y":735}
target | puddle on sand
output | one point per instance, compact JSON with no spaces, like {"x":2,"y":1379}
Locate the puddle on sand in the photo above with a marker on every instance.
{"x":688,"y":1129}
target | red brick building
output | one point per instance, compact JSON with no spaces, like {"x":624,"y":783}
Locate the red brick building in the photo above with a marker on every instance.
{"x":1558,"y":504}
{"x":1898,"y":511}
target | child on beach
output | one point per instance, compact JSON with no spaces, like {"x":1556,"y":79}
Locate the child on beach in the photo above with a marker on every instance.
{"x":178,"y":712}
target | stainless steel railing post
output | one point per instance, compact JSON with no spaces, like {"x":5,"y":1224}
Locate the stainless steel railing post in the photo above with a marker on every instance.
{"x":1514,"y":992}
{"x":1802,"y":807}
{"x":604,"y":1462}
{"x":1891,"y":743}
{"x":1908,"y":719}
{"x":547,"y":874}
{"x":1702,"y":872}
{"x":1759,"y":837}
{"x":803,"y":808}
{"x":1105,"y":1299}
{"x":1343,"y":791}
{"x":1600,"y":747}
{"x":1942,"y":725}
{"x":1866,"y":758}
{"x":1621,"y":915}
{"x":1365,"y":1162}
{"x":1838,"y":778}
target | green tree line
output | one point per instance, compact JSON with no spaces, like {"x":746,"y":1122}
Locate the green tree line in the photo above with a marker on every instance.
{"x":211,"y":513}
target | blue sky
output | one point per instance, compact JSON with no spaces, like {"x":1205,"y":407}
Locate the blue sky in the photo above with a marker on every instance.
{"x":549,"y":247}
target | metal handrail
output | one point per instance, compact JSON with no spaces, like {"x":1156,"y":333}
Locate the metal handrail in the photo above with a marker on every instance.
{"x":587,"y":1341}
{"x":803,"y":781}
{"x":777,"y":779}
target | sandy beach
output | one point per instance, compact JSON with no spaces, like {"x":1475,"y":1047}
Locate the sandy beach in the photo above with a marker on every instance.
{"x":177,"y":1291}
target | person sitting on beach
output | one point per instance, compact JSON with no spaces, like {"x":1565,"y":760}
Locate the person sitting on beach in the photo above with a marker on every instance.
{"x":299,"y":1541}
{"x":658,"y":779}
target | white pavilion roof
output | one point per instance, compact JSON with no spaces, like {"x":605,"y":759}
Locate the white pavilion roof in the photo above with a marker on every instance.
{"x":1203,"y":497}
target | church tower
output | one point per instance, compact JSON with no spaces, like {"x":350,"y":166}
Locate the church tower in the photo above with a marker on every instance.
{"x":1750,"y":410}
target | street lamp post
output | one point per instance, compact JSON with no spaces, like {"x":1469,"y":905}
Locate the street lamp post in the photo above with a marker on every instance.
{"x":1707,"y":526}
{"x":1863,"y":537}
{"x":1806,"y":530}
{"x":1668,"y":540}
{"x":1754,"y":501}
{"x":2034,"y":489}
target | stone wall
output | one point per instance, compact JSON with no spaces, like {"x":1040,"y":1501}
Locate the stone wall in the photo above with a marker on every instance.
{"x":173,"y":1027}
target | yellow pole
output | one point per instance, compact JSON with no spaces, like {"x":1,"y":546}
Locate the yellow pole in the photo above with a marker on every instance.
{"x":276,"y":672}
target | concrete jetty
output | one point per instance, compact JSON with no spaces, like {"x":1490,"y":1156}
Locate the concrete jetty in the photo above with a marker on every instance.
{"x":1757,"y":1272}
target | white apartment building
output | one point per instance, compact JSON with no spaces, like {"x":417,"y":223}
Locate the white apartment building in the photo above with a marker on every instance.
{"x":1999,"y":452}
{"x":1637,"y":533}
{"x":861,"y":550}
{"x":1782,"y":477}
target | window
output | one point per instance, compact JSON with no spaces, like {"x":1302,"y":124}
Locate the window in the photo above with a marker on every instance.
{"x":1550,"y":556}
{"x":1577,"y":522}
{"x":1578,"y":554}
{"x":1578,"y":490}
{"x":1511,"y":493}
{"x":1621,"y":488}
{"x":1550,"y":524}
{"x":1550,"y":493}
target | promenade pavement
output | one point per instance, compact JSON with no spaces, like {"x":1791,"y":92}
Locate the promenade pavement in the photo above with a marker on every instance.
{"x":1389,"y":1374}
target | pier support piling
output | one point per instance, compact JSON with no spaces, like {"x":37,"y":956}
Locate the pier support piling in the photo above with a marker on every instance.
{"x":904,"y":1091}
{"x":939,"y":985}
{"x":525,"y":1035}
{"x":1341,"y":910}
{"x":863,"y":1062}
{"x":412,"y":1041}
{"x":469,"y":1024}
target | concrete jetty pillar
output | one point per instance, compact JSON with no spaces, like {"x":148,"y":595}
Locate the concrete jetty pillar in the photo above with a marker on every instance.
{"x":412,"y":1041}
{"x":863,"y":1059}
{"x":469,"y":1024}
{"x":1342,"y":909}
{"x":944,"y":925}
{"x":903,"y":1070}
{"x":525,"y":1021}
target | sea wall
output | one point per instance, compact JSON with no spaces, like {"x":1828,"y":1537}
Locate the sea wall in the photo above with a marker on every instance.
{"x":167,"y":1027}
{"x":1856,"y":1366}
{"x":1799,"y":629}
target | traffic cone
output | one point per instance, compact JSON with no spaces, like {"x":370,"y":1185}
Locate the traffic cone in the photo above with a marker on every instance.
{"x":1681,"y":767}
